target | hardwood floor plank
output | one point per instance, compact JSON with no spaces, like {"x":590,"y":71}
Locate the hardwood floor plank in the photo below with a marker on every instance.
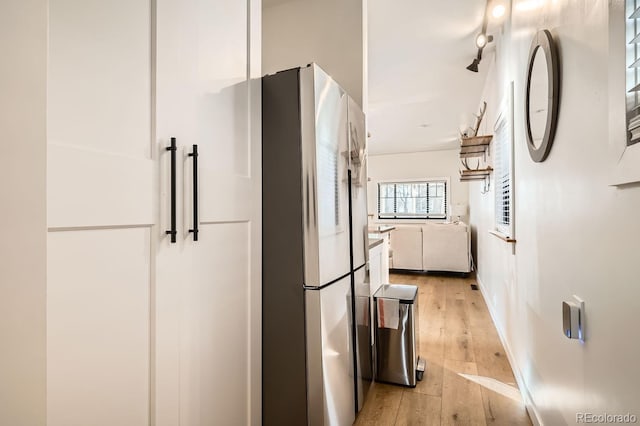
{"x":491,"y":358}
{"x":502,"y":410}
{"x":477,"y":311}
{"x":431,"y":349}
{"x":433,"y":307}
{"x":458,"y":345}
{"x":461,"y":398}
{"x":431,"y":336}
{"x":456,"y":317}
{"x":418,"y":410}
{"x":381,"y":407}
{"x":403,"y":278}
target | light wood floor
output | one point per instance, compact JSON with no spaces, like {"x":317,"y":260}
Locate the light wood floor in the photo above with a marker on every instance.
{"x":457,"y":337}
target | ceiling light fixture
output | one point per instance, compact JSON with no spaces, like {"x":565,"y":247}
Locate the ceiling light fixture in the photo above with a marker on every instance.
{"x":482,"y":39}
{"x":498,"y":11}
{"x":474,"y":65}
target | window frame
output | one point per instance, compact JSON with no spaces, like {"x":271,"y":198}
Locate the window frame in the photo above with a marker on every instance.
{"x":624,"y":158}
{"x":505,"y":118}
{"x":416,"y":219}
{"x":632,"y":78}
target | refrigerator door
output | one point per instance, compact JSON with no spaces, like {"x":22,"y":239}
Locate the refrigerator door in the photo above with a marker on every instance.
{"x":330,"y":384}
{"x":325,"y":188}
{"x":364,"y":350}
{"x":358,"y":167}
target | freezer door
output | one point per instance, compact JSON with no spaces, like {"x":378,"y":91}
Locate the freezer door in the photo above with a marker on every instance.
{"x":363,"y":320}
{"x":324,"y":177}
{"x":358,"y":166}
{"x":330,"y":385}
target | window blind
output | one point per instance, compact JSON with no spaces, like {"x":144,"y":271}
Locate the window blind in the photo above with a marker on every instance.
{"x":633,"y":70}
{"x":502,"y":171}
{"x":412,"y":200}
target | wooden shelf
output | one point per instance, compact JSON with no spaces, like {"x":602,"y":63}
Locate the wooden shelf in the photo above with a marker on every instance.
{"x":476,"y":146}
{"x":502,"y":237}
{"x":480,"y":174}
{"x":470,"y":178}
{"x":472,"y":154}
{"x":477,"y":141}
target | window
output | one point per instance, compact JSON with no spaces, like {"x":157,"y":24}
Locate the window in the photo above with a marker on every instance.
{"x":633,"y":71}
{"x":412,"y":200}
{"x":503,"y":174}
{"x":624,"y":91}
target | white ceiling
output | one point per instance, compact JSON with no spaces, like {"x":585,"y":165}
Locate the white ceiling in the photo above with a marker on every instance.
{"x":420,"y":91}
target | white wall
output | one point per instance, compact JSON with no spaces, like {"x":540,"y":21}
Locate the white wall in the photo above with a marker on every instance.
{"x":23,"y":43}
{"x":575,"y":234}
{"x":330,"y":33}
{"x":416,"y":165}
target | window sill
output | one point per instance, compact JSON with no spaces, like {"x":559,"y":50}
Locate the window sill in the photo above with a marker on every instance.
{"x":502,"y":236}
{"x":626,"y":171}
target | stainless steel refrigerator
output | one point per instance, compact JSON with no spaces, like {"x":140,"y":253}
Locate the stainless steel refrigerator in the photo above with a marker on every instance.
{"x":317,"y":359}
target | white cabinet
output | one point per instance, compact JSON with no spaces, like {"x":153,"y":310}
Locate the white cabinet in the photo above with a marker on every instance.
{"x":406,"y":243}
{"x":101,"y":215}
{"x":208,"y":337}
{"x":386,"y":248}
{"x":432,"y":247}
{"x":446,"y":247}
{"x":140,"y":330}
{"x":384,"y":233}
{"x":375,"y":267}
{"x":376,"y":255}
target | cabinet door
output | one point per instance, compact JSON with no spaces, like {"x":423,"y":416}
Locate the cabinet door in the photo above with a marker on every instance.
{"x":406,"y":243}
{"x":138,"y":328}
{"x":206,"y":59}
{"x":375,"y":265}
{"x":100,"y":213}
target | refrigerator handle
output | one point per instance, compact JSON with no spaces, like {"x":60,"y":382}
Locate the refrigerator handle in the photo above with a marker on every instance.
{"x":172,"y":232}
{"x":349,"y":143}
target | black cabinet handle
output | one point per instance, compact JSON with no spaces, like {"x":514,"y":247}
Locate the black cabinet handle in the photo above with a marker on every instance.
{"x":194,"y":154}
{"x":173,"y":150}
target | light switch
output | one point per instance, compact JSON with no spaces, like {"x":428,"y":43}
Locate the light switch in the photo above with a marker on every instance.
{"x":573,"y":318}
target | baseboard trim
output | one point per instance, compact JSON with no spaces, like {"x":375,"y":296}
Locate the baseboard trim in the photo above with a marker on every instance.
{"x":524,"y":390}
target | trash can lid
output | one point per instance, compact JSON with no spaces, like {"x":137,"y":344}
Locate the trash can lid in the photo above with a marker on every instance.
{"x":405,"y":293}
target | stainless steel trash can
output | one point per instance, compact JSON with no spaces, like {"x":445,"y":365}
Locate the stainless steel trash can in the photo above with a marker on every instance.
{"x":397,"y":358}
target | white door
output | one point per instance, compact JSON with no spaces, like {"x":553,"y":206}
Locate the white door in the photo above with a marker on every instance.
{"x":100,"y":213}
{"x":131,"y":336}
{"x":205,"y":96}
